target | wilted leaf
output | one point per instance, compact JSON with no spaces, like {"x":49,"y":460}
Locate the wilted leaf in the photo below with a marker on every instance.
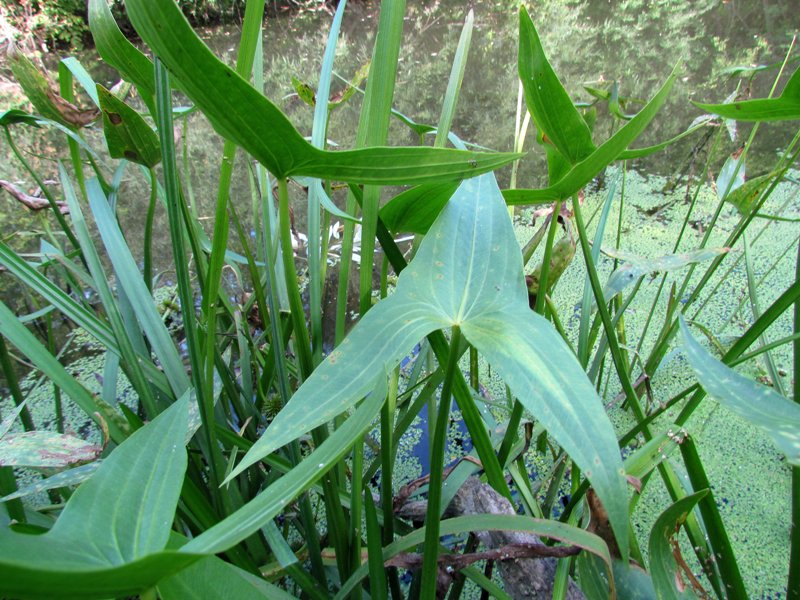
{"x":45,"y":449}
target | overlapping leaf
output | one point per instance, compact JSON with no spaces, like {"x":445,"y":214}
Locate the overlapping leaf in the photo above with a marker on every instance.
{"x":110,"y":538}
{"x":785,"y":107}
{"x":242,"y":114}
{"x":776,"y":415}
{"x":467,"y":273}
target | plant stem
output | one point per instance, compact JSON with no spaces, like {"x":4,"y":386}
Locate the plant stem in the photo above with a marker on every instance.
{"x":431,"y":548}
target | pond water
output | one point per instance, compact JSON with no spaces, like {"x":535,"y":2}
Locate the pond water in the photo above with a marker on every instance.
{"x":634,"y":43}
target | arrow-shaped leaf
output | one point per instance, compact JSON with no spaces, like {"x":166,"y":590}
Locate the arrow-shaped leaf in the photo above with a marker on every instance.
{"x":242,"y":114}
{"x":551,"y":107}
{"x":467,"y":273}
{"x":109,"y":540}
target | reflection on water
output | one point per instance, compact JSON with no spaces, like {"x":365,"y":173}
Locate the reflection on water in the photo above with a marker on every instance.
{"x":635,"y":43}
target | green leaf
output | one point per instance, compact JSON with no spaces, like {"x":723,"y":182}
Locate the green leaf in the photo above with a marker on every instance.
{"x":584,"y":171}
{"x":547,"y":100}
{"x":785,"y":107}
{"x":245,"y":116}
{"x":467,"y":273}
{"x":70,"y":477}
{"x":636,"y":266}
{"x":553,"y":530}
{"x":14,"y":116}
{"x":416,"y":209}
{"x":45,"y":449}
{"x":127,"y":134}
{"x":264,"y":507}
{"x":304,"y":91}
{"x":109,"y":540}
{"x":776,"y":415}
{"x":117,"y":51}
{"x":130,"y":279}
{"x":663,"y":567}
{"x":214,"y":579}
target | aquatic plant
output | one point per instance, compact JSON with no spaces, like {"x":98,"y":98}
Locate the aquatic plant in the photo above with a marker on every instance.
{"x":247,"y":428}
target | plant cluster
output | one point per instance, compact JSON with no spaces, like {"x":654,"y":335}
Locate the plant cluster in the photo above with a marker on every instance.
{"x":252,"y":461}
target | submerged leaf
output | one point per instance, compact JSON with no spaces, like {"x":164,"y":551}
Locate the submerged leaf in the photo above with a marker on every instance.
{"x":467,"y":273}
{"x":637,"y":266}
{"x":774,"y":414}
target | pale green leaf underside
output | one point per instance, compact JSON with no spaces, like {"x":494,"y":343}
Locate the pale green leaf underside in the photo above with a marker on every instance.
{"x":130,"y":501}
{"x":467,"y":273}
{"x":779,"y":417}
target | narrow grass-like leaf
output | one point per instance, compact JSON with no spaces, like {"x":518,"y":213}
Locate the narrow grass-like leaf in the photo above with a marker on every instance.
{"x":663,"y":568}
{"x":776,"y":415}
{"x":467,"y":273}
{"x":454,"y":82}
{"x":109,"y":539}
{"x":785,"y":107}
{"x":127,"y":134}
{"x":74,"y":476}
{"x":82,"y":76}
{"x":264,"y":507}
{"x":130,"y":279}
{"x":554,"y":530}
{"x":245,"y":116}
{"x":583,"y":172}
{"x":14,"y":116}
{"x":26,"y":342}
{"x":548,"y":102}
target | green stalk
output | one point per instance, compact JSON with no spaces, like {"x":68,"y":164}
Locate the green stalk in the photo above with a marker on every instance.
{"x":793,"y":585}
{"x":147,"y":271}
{"x":302,"y":345}
{"x":387,"y":468}
{"x":548,"y":250}
{"x":13,"y":385}
{"x":433,"y":515}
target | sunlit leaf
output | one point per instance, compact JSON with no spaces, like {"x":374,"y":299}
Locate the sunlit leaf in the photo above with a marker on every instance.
{"x":759,"y":405}
{"x":548,"y":102}
{"x":467,"y":273}
{"x":785,"y":107}
{"x":242,"y":114}
{"x":745,"y":196}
